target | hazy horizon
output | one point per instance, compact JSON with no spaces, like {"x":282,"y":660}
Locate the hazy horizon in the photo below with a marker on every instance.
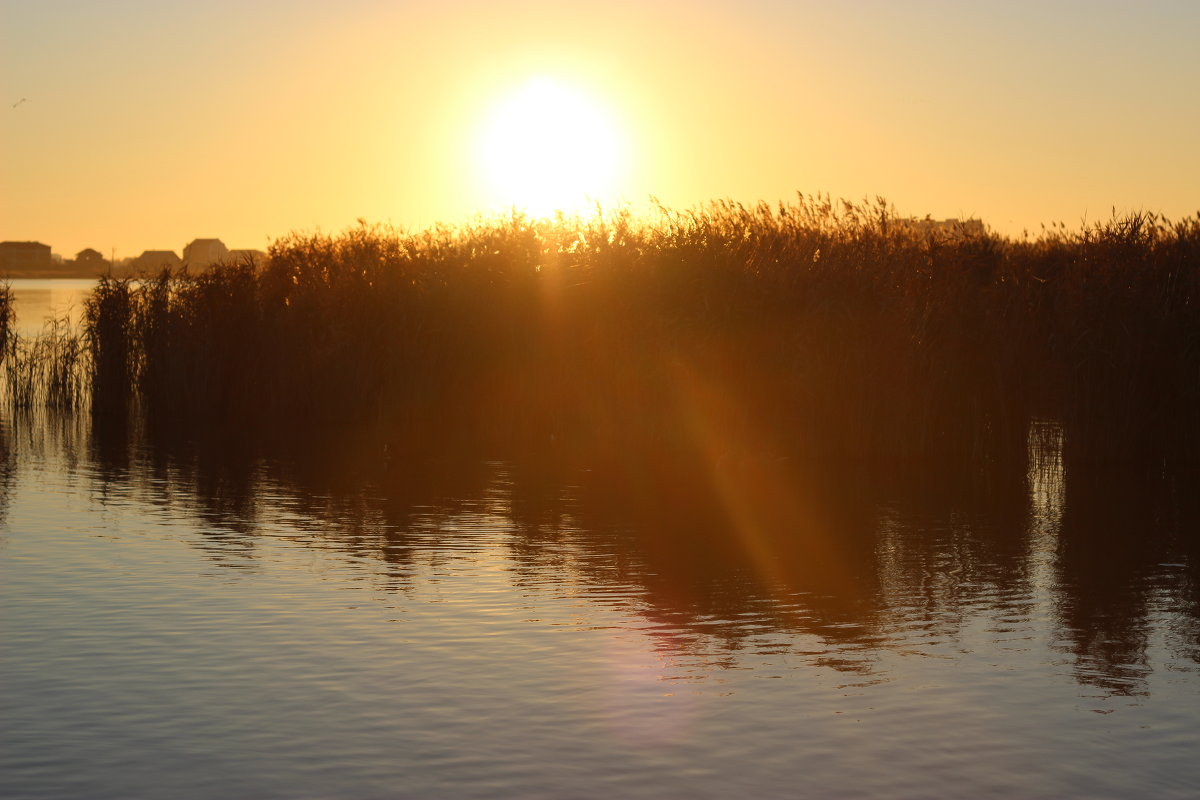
{"x":135,"y":126}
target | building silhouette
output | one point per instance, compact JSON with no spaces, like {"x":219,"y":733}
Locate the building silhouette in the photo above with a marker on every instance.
{"x":943,"y":228}
{"x":255,"y":257}
{"x":203,"y":253}
{"x":90,"y":259}
{"x":21,"y":256}
{"x":34,"y":259}
{"x":155,"y":261}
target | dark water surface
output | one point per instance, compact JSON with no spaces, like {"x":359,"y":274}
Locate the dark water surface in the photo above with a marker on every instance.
{"x":194,"y":620}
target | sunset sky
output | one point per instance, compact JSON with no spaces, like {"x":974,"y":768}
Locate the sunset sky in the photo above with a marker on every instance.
{"x":142,"y":124}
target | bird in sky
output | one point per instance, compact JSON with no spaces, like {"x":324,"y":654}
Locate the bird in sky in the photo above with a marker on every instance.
{"x":22,"y":100}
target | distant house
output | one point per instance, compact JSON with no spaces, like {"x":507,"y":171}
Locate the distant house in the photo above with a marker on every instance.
{"x":155,"y":261}
{"x":203,"y":253}
{"x":943,"y":228}
{"x":23,"y":256}
{"x":90,"y":259}
{"x":255,"y":257}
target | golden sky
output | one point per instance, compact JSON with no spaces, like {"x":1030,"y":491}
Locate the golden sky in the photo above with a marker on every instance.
{"x":142,"y":124}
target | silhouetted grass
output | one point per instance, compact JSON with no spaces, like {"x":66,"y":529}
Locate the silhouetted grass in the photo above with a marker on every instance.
{"x":813,"y":327}
{"x":7,"y":316}
{"x":50,"y":369}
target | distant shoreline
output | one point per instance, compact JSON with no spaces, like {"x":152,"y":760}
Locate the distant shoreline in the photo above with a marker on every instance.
{"x":71,"y":274}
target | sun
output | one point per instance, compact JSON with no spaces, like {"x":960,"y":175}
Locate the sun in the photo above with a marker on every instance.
{"x":549,"y":146}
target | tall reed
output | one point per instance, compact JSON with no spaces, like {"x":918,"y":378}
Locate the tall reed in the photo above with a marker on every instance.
{"x":7,"y":316}
{"x":829,"y":328}
{"x":109,"y":337}
{"x":50,"y":369}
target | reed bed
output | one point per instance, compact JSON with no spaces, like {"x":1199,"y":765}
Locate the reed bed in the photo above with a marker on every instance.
{"x":7,"y":315}
{"x":832,"y":329}
{"x":50,"y":369}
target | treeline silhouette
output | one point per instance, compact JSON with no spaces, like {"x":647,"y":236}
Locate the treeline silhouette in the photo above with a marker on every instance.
{"x":831,"y":329}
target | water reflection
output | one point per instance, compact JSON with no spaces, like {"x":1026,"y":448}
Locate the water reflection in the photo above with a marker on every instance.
{"x":1126,"y":556}
{"x":768,"y":559}
{"x":8,"y":470}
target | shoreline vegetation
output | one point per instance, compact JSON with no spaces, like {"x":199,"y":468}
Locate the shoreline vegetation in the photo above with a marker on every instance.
{"x":821,"y":329}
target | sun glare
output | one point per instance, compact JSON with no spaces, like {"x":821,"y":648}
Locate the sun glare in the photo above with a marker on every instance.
{"x":549,"y":146}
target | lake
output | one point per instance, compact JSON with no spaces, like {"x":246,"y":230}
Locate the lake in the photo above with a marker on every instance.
{"x":205,"y":616}
{"x":39,"y":300}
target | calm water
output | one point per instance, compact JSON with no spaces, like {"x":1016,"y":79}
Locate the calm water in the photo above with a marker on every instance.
{"x":39,"y":300}
{"x":193,"y":619}
{"x":197,"y":622}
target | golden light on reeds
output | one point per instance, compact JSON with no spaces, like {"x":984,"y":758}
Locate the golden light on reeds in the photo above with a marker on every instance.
{"x":549,"y":146}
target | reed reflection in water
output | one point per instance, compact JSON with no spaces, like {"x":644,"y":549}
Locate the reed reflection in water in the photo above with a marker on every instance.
{"x":189,"y":616}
